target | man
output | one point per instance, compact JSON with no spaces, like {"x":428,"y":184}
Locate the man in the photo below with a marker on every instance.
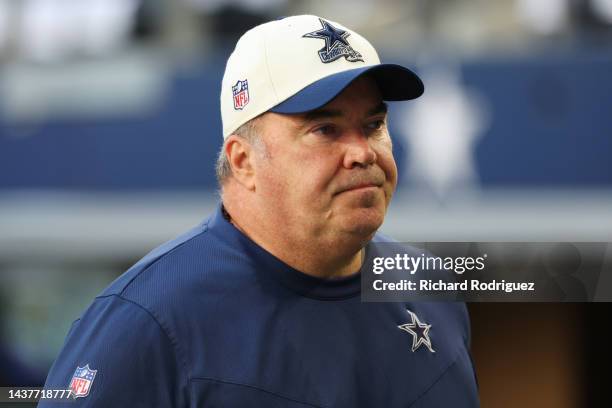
{"x":259,"y":306}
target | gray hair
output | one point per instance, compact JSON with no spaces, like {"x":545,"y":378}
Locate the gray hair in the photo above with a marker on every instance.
{"x":248,"y":132}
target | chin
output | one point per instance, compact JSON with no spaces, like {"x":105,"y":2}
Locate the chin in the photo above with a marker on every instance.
{"x":361,"y":213}
{"x":364,"y":222}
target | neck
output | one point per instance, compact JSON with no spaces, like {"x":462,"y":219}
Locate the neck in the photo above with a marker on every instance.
{"x":311,"y":255}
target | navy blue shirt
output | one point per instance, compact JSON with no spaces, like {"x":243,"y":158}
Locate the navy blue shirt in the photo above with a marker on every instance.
{"x":211,"y":319}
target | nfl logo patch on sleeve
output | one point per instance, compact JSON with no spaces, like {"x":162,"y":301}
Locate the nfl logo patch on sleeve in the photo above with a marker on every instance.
{"x":82,"y":380}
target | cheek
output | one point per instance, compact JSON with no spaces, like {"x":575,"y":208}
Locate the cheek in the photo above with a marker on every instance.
{"x":313,"y":179}
{"x":271,"y":178}
{"x":295,"y":177}
{"x":386,"y":162}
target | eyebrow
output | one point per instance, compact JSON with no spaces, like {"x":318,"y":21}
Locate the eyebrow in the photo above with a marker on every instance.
{"x":334,"y":113}
{"x":380,"y":108}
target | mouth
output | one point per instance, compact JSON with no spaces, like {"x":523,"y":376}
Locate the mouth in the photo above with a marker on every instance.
{"x":360,"y":187}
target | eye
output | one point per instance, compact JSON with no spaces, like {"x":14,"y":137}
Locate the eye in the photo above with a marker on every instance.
{"x":375,"y":125}
{"x":326,"y":130}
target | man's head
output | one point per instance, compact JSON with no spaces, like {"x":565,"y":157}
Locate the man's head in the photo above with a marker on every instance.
{"x":306,"y":148}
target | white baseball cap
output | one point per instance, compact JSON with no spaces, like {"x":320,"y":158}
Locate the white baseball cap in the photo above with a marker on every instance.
{"x":300,"y":63}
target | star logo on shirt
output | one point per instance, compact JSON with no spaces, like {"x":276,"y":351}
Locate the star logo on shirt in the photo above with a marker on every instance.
{"x":419,"y":332}
{"x":336,"y":44}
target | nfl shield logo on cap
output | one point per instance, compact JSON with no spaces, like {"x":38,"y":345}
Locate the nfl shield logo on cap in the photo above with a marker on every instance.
{"x":82,"y":380}
{"x":240,"y":92}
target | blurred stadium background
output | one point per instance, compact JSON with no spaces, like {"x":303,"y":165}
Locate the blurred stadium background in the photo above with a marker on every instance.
{"x":110,"y":125}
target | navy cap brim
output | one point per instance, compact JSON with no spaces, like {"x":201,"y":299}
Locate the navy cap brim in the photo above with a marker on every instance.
{"x":396,"y":83}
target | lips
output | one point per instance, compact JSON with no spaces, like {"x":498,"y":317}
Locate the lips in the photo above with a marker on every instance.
{"x":361,"y":183}
{"x":361,"y":186}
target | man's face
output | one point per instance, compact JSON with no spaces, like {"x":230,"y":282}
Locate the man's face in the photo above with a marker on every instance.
{"x":330,"y":171}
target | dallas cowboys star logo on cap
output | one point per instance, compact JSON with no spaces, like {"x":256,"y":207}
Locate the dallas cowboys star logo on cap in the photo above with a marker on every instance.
{"x":336,"y":45}
{"x":419,"y":332}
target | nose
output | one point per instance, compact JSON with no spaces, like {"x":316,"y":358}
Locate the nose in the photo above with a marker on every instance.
{"x":359,"y":152}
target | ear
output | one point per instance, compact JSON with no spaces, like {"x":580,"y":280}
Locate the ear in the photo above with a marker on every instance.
{"x":240,"y":155}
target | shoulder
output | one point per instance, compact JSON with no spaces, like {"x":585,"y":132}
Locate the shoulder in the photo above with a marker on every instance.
{"x":116,"y":339}
{"x":160,"y":299}
{"x":178,"y":282}
{"x":194,"y":262}
{"x":172,"y":285}
{"x":150,"y":262}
